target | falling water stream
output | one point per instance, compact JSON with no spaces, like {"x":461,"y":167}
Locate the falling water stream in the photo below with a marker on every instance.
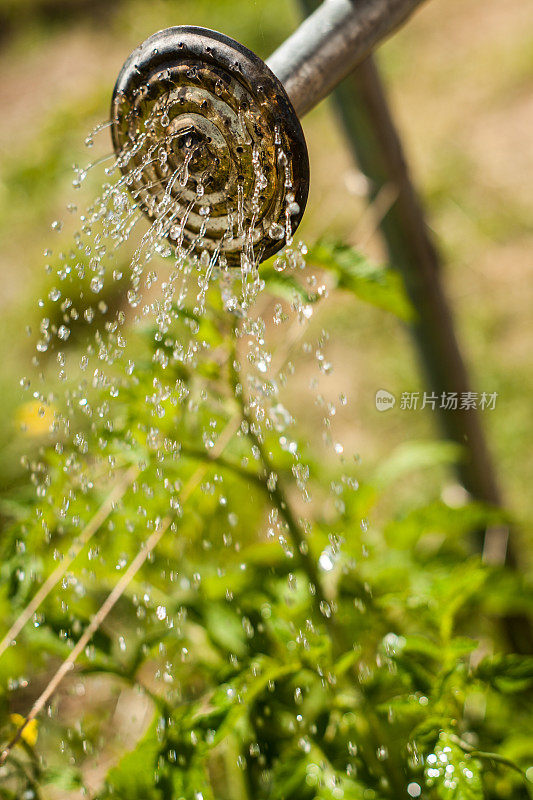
{"x":166,"y":379}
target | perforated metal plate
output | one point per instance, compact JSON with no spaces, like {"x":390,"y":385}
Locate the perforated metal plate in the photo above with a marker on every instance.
{"x":211,"y":144}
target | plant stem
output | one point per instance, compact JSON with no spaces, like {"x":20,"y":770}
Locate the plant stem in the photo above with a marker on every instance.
{"x":278,"y":496}
{"x":340,"y":644}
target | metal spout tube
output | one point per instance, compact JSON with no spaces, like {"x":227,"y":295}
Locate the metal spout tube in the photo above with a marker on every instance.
{"x":330,"y":43}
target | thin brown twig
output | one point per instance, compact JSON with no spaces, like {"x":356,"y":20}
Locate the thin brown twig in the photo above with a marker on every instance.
{"x":90,"y":630}
{"x":53,"y":579}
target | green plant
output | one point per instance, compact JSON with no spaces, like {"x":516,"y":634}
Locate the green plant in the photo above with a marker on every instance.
{"x":286,"y":647}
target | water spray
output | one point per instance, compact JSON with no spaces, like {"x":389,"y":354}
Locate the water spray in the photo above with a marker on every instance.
{"x":210,"y":136}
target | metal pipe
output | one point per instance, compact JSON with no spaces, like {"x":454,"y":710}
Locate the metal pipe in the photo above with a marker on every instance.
{"x":330,"y":43}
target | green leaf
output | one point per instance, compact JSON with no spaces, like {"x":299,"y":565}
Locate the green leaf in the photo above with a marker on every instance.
{"x":440,"y":522}
{"x":64,"y":777}
{"x":462,"y":646}
{"x":133,"y":777}
{"x":421,"y":645}
{"x":507,"y":673}
{"x":378,"y":285}
{"x":414,"y":455}
{"x":346,"y":662}
{"x":283,"y":285}
{"x":225,"y":629}
{"x":451,"y":773}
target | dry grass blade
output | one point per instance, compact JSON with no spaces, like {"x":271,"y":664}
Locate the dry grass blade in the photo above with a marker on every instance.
{"x":53,"y":579}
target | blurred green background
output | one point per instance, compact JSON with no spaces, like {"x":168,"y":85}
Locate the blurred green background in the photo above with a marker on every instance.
{"x":460,"y":79}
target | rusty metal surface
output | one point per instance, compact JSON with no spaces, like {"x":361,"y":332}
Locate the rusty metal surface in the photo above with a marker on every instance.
{"x":210,"y":143}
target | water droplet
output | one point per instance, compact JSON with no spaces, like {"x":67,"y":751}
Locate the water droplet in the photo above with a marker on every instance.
{"x":276,"y":231}
{"x":326,"y":561}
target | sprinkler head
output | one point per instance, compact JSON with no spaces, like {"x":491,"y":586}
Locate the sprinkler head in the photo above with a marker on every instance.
{"x":210,"y":145}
